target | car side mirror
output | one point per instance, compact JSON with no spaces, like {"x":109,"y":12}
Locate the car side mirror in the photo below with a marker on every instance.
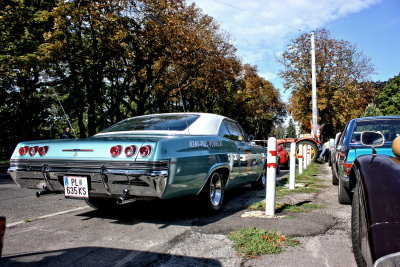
{"x":372,"y":139}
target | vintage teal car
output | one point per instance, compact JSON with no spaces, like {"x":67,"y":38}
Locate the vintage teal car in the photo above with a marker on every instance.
{"x":153,"y":156}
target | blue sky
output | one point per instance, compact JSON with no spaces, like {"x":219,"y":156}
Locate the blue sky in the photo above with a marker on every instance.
{"x":261,"y":29}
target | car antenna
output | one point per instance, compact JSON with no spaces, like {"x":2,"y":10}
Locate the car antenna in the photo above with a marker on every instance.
{"x":180,"y":95}
{"x":66,"y":116}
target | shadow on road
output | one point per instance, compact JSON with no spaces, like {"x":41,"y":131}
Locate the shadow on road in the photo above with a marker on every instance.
{"x":179,"y":211}
{"x":92,"y":256}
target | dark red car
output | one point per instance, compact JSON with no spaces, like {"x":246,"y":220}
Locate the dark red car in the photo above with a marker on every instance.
{"x":376,"y":206}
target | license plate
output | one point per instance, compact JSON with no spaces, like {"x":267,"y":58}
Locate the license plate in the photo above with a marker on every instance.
{"x":76,"y":187}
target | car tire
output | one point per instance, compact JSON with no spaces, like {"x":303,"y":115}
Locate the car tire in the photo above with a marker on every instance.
{"x":313,"y":147}
{"x":100,"y":203}
{"x":356,"y":216}
{"x":335,"y":180}
{"x":343,"y":194}
{"x":261,"y":181}
{"x":213,"y":192}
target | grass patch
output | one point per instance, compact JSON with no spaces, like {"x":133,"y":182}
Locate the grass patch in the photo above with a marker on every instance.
{"x":301,"y":208}
{"x":251,"y":242}
{"x":308,"y":178}
{"x":261,"y":206}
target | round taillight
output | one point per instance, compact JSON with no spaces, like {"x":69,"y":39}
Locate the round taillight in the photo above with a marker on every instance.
{"x":115,"y":150}
{"x":130,"y":150}
{"x":23,"y":150}
{"x":145,"y":150}
{"x":43,"y":150}
{"x":33,"y":150}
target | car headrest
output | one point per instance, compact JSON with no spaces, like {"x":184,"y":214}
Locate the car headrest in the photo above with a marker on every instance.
{"x":396,"y":146}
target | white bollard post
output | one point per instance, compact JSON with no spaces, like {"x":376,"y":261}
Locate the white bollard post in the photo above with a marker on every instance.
{"x":301,"y":159}
{"x":292,"y":165}
{"x":308,"y":155}
{"x":271,"y":176}
{"x":305,"y":156}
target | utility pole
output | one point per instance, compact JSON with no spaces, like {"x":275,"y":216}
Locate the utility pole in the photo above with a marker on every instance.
{"x":314,"y":87}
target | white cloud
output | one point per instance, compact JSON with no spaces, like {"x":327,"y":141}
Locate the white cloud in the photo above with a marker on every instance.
{"x":260,"y":28}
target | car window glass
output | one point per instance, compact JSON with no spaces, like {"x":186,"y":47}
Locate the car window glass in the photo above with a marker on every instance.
{"x":342,"y":138}
{"x":390,"y":128}
{"x":167,"y":122}
{"x":234,"y":131}
{"x":223,"y":130}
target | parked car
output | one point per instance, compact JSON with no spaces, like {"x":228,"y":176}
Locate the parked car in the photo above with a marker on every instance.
{"x":350,"y":147}
{"x":375,"y":217}
{"x":332,"y":159}
{"x":154,"y":156}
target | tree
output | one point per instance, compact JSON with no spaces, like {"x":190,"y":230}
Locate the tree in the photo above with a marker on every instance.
{"x":106,"y":60}
{"x":24,"y":105}
{"x":342,"y":88}
{"x":389,"y":97}
{"x":291,"y":129}
{"x":372,"y":110}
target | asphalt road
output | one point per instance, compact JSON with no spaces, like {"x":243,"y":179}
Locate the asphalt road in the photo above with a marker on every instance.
{"x":54,"y":231}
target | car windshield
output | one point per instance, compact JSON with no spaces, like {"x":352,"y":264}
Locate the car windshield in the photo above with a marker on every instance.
{"x":168,"y":122}
{"x":390,"y":128}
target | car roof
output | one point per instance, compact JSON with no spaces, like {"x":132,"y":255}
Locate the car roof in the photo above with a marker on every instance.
{"x":377,"y":118}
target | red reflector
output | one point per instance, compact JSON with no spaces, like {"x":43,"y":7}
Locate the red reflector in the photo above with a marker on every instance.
{"x":43,"y":150}
{"x":33,"y":150}
{"x":145,"y":150}
{"x":347,"y":167}
{"x":130,"y":150}
{"x":116,"y":150}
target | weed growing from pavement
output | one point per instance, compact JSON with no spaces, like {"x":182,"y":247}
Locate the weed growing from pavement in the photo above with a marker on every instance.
{"x":251,"y":242}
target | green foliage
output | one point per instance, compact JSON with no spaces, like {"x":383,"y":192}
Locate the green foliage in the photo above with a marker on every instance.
{"x":251,"y":242}
{"x":389,"y":97}
{"x":371,"y":111}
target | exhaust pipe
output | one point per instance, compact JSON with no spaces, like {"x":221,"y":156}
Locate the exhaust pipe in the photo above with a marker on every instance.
{"x":126,"y":198}
{"x":45,"y":191}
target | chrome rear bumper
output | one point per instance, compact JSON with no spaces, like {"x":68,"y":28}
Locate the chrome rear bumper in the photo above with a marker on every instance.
{"x":105,"y":179}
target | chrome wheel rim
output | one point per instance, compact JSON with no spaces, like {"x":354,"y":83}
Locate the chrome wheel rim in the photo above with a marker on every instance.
{"x":216,"y":189}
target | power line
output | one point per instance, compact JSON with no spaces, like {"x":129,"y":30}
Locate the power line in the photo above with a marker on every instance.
{"x":255,"y":14}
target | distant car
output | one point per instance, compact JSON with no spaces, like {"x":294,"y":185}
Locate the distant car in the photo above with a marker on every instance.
{"x":375,"y":217}
{"x":350,"y":147}
{"x":154,"y":156}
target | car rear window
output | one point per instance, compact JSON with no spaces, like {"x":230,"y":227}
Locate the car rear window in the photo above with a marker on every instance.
{"x":168,"y":122}
{"x":390,"y":128}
